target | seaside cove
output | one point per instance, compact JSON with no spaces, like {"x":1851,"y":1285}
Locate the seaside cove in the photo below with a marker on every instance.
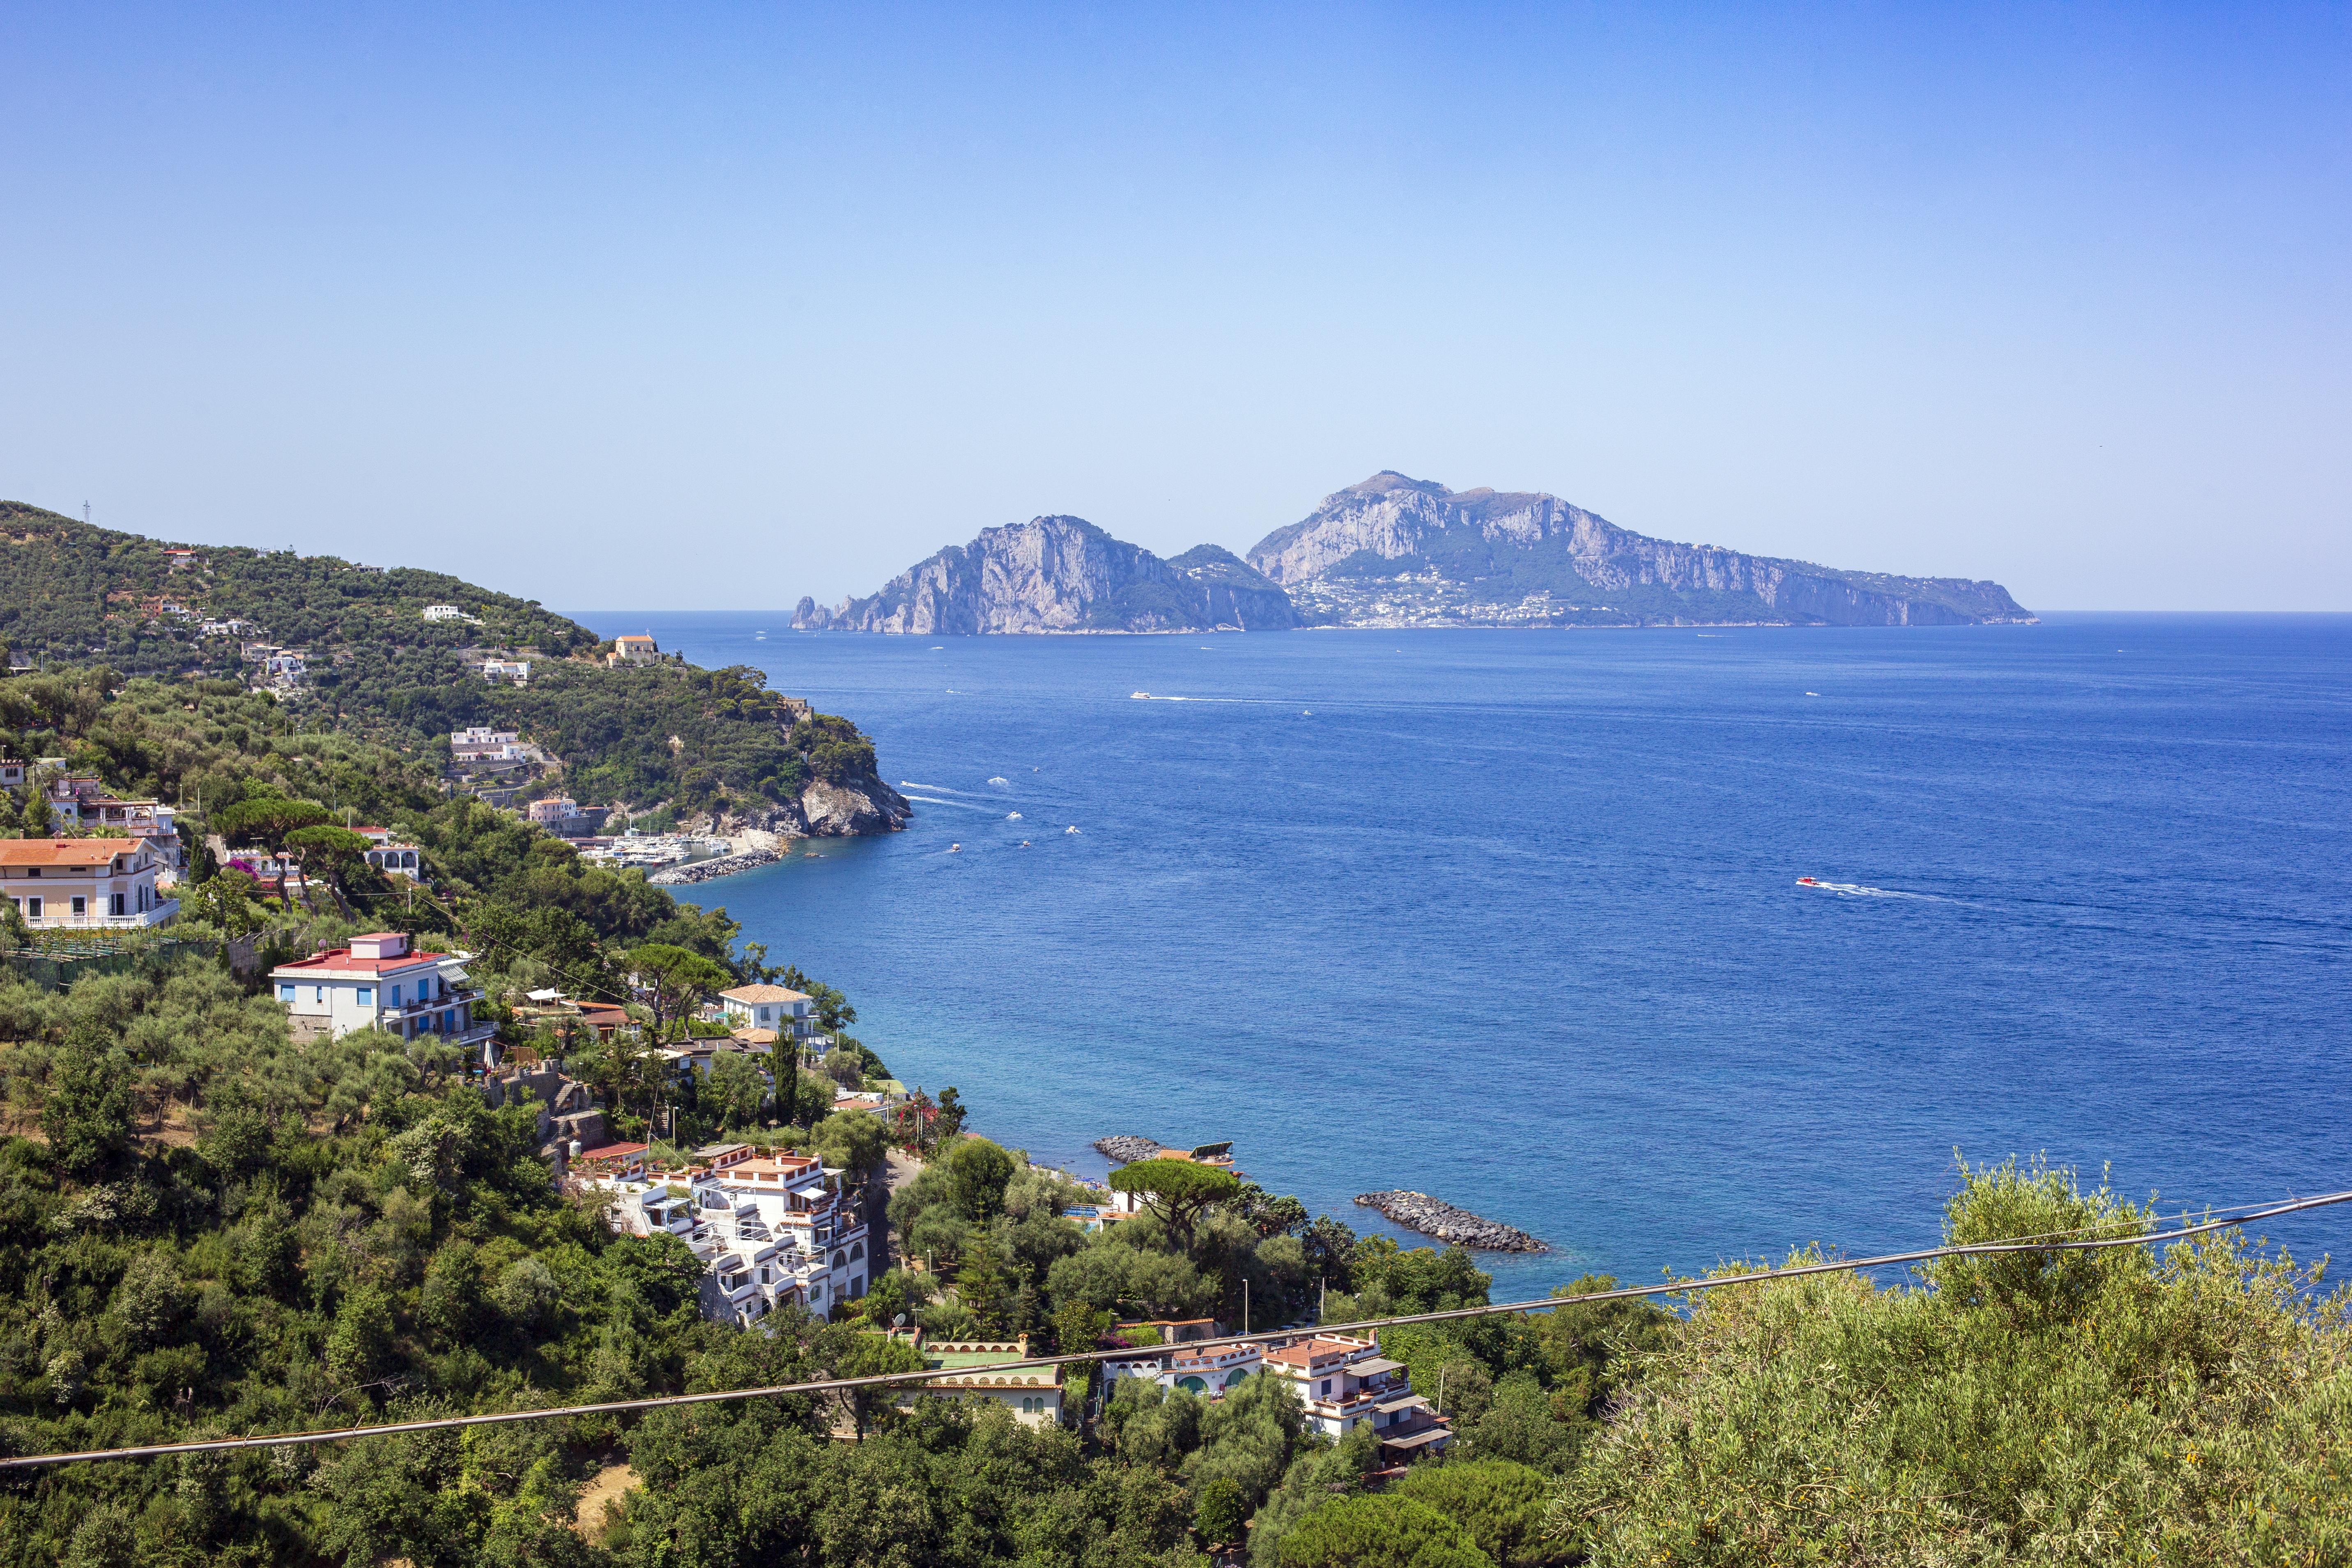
{"x":1513,"y":918}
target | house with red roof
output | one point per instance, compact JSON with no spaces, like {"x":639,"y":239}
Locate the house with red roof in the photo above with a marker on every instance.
{"x":380,"y":982}
{"x":1345,"y":1383}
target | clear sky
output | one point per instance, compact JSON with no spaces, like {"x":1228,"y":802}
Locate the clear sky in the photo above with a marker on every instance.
{"x":717,"y":305}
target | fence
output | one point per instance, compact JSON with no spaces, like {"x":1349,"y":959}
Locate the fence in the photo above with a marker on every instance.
{"x":55,"y":960}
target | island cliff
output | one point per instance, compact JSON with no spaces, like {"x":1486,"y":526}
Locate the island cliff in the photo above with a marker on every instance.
{"x":1061,"y":574}
{"x":1392,"y":552}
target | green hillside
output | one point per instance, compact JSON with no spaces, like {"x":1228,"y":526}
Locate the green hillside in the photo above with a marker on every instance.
{"x":75,"y":595}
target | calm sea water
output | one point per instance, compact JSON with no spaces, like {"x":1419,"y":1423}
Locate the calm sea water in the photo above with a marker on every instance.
{"x":1513,"y":917}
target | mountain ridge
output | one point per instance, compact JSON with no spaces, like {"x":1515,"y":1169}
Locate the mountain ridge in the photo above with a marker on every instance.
{"x":1394,"y":550}
{"x":1060,"y":574}
{"x":1391,"y":552}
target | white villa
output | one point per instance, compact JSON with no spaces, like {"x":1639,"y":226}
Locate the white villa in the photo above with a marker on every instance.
{"x":773,"y":1229}
{"x":69,"y":882}
{"x":378,"y":983}
{"x":1345,"y":1383}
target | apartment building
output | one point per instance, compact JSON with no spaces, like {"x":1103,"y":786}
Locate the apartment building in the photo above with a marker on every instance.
{"x":771,"y":1229}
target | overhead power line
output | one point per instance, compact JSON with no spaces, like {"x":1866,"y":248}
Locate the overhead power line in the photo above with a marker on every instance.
{"x":881,"y":1380}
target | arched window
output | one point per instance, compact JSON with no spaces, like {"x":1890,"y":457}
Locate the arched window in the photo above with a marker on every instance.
{"x":1233,"y":1378}
{"x":1192,"y":1385}
{"x":840,"y":1258}
{"x":856,"y":1250}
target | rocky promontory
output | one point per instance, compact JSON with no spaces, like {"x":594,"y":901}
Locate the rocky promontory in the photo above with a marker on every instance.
{"x":824,"y":809}
{"x":1126,"y":1148}
{"x":1455,"y":1228}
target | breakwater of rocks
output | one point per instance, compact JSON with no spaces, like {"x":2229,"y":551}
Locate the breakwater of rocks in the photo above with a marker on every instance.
{"x":1456,"y":1227}
{"x":1126,"y":1148}
{"x":710,"y":870}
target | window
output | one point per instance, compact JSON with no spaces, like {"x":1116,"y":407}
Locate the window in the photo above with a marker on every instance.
{"x":1327,"y":1386}
{"x":285,"y":993}
{"x":33,"y":908}
{"x":319,"y":993}
{"x":367,"y":995}
{"x":80,"y":905}
{"x":117,"y":904}
{"x":393,"y":996}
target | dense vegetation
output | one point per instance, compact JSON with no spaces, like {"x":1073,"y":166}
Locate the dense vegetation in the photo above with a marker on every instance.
{"x":71,"y":591}
{"x":78,"y":599}
{"x":2084,"y":1407}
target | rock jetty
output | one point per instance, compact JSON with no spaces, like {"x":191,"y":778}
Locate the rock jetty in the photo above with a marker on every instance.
{"x":708,"y":870}
{"x":1126,"y":1148}
{"x":1456,"y":1227}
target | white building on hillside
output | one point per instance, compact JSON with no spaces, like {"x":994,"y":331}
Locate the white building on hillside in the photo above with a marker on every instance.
{"x":1345,"y":1383}
{"x":771,"y":1229}
{"x":380,"y":982}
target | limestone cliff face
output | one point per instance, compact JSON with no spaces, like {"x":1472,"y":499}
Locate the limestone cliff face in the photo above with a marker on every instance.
{"x":1061,"y":574}
{"x":1394,"y":550}
{"x":845,"y":810}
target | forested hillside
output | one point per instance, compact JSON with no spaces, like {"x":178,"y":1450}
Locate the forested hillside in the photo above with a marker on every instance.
{"x":72,"y":591}
{"x":72,"y":595}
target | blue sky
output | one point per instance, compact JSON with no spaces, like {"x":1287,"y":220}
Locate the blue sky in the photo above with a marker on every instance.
{"x":713,"y":305}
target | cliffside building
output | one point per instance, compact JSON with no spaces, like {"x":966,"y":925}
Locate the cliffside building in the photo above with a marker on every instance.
{"x":771,"y":1230}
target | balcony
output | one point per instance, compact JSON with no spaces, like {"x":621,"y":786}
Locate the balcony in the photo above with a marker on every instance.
{"x":434,"y":1005}
{"x":62,"y":918}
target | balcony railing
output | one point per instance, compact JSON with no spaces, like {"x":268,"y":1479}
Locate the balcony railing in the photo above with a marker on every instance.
{"x":91,"y":920}
{"x":432,"y":1004}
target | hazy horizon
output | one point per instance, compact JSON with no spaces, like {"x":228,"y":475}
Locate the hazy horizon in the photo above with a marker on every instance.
{"x":748,"y":304}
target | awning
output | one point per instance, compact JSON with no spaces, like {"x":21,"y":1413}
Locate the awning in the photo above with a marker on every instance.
{"x":1419,"y":1439}
{"x":1374,"y":1364}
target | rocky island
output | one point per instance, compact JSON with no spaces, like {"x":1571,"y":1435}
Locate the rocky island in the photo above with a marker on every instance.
{"x":1062,"y":575}
{"x":1392,"y":552}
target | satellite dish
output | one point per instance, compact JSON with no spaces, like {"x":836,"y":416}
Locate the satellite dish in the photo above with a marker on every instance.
{"x":899,"y":1321}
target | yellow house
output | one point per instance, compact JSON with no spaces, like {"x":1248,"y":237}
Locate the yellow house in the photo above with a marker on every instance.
{"x":633,"y":650}
{"x":67,"y":882}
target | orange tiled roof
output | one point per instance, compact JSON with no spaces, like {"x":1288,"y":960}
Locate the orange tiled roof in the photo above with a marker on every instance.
{"x":65,"y":851}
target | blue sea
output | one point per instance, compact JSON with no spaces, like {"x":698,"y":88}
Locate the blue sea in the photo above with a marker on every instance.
{"x":1513,"y":917}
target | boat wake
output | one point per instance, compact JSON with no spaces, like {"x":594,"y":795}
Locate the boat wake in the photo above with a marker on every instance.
{"x":1856,"y":891}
